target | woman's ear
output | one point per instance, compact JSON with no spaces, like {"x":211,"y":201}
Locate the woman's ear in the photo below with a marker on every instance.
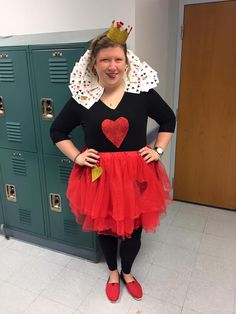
{"x":94,"y":69}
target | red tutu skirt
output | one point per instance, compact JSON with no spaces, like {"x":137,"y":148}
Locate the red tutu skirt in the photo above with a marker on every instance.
{"x":129,"y":194}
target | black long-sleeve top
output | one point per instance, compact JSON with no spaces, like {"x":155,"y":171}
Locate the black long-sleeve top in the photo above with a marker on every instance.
{"x":136,"y":108}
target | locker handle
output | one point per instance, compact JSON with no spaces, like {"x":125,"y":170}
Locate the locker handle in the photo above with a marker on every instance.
{"x":2,"y":110}
{"x":10,"y":192}
{"x":55,"y":202}
{"x":47,"y":108}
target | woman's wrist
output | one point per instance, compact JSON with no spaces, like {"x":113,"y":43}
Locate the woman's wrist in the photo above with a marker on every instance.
{"x":77,"y":155}
{"x":159,"y":150}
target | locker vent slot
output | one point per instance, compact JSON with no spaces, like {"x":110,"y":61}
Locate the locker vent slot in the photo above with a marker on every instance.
{"x":64,"y":173}
{"x":70,"y":228}
{"x":25,"y":216}
{"x":58,"y":70}
{"x":14,"y":133}
{"x":19,"y":166}
{"x":6,"y":70}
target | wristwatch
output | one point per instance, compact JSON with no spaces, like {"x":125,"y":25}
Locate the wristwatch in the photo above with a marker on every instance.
{"x":159,"y":150}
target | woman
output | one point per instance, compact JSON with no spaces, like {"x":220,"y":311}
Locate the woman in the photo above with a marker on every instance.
{"x":118,"y":186}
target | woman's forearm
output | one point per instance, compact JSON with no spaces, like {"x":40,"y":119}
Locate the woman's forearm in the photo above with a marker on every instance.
{"x":163,"y":139}
{"x":68,"y":149}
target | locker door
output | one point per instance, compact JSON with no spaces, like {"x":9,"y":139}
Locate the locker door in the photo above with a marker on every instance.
{"x":16,"y":118}
{"x":52,"y":70}
{"x":62,"y":222}
{"x":1,"y":211}
{"x":21,"y":191}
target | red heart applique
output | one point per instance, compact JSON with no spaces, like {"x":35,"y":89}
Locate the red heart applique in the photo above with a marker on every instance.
{"x":142,"y":185}
{"x":115,"y":131}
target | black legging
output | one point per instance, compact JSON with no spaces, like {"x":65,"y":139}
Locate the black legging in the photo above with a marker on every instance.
{"x":129,"y":248}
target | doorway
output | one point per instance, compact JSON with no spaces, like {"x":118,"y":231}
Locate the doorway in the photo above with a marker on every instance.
{"x":205,"y":161}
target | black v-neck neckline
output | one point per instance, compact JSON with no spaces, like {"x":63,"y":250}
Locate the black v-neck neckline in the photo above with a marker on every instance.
{"x":118,"y":105}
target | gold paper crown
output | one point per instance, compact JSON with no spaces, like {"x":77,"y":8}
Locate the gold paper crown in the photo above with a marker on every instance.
{"x":118,"y":33}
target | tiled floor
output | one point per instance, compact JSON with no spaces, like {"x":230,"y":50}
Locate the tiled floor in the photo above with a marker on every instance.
{"x":188,"y":267}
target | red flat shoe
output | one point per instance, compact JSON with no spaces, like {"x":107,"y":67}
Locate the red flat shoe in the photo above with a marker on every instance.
{"x":134,"y":288}
{"x":113,"y":291}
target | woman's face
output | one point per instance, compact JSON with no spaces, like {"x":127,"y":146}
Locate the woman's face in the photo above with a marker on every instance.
{"x":110,"y":66}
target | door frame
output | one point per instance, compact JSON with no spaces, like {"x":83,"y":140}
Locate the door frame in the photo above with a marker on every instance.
{"x":182,"y":3}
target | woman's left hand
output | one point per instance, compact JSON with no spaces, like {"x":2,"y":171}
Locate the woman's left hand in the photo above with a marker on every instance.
{"x":149,"y":154}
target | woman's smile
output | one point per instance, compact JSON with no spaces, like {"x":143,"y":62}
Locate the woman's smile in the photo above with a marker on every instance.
{"x":112,"y":75}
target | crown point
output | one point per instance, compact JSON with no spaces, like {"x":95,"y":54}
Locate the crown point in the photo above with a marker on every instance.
{"x":117,"y":33}
{"x":119,"y":24}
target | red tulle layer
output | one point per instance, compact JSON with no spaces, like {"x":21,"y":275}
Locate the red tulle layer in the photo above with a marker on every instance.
{"x":129,"y":194}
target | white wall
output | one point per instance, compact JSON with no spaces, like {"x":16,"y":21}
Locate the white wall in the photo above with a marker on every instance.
{"x":156,"y":24}
{"x":153,"y":37}
{"x":45,"y":16}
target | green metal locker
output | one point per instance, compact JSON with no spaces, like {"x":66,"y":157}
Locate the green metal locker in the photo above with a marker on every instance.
{"x":1,"y":212}
{"x":62,"y":222}
{"x":34,"y":77}
{"x":52,"y":67}
{"x":21,"y":191}
{"x":1,"y":203}
{"x":16,"y":117}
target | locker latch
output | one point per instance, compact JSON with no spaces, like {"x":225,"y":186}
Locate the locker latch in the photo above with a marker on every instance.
{"x":2,"y":111}
{"x":47,"y":108}
{"x":55,"y":202}
{"x":10,"y":192}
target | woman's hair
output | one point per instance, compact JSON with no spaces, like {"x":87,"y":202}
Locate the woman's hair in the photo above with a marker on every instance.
{"x":102,"y":42}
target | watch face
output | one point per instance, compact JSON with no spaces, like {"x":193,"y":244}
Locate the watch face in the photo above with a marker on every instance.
{"x":159,"y":150}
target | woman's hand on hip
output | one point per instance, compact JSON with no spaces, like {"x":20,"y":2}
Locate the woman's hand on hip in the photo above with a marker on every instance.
{"x":88,"y":158}
{"x":149,"y":154}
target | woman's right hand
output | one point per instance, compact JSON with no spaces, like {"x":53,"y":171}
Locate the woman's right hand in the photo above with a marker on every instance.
{"x":88,"y":158}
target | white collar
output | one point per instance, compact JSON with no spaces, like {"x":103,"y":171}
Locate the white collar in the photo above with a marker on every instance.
{"x":86,"y":90}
